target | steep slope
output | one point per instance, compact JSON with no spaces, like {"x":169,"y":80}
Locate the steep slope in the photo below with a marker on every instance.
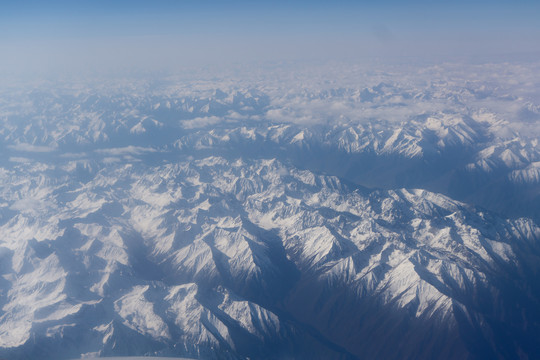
{"x":217,"y":258}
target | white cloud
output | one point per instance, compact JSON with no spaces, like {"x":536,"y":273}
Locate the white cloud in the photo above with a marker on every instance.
{"x":125,"y":151}
{"x":19,"y":159}
{"x":31,"y":148}
{"x":201,"y":122}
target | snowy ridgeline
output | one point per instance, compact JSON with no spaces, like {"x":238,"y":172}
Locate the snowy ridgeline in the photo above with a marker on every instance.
{"x":465,"y":131}
{"x":314,"y":216}
{"x":246,"y":257}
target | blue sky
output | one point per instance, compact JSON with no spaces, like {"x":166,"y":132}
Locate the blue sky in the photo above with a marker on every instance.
{"x":162,"y":33}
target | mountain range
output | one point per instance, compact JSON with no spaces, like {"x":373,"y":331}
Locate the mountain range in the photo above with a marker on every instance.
{"x":390,"y":220}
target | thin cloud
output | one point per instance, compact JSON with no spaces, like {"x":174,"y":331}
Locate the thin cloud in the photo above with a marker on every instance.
{"x":125,"y":151}
{"x":25,"y":147}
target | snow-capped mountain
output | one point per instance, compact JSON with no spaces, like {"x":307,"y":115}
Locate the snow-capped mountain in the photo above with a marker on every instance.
{"x":389,"y":220}
{"x":442,"y":129}
{"x":253,"y":258}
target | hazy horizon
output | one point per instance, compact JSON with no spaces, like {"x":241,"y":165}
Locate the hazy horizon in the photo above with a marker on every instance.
{"x":63,"y":37}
